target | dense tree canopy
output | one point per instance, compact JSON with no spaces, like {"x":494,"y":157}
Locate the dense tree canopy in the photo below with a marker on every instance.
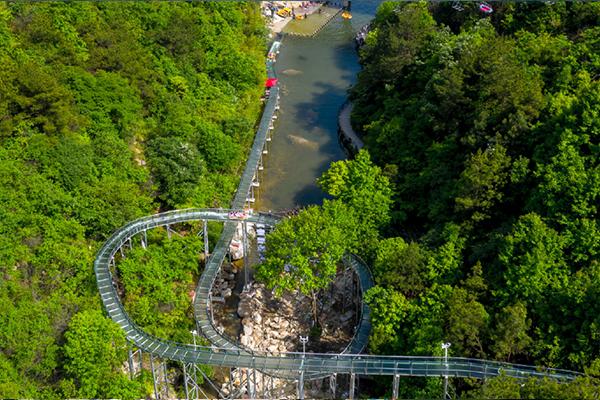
{"x":110,"y":111}
{"x":491,"y":126}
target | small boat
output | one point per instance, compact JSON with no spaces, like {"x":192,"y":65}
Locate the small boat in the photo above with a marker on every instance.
{"x":485,"y":8}
{"x":346,"y":15}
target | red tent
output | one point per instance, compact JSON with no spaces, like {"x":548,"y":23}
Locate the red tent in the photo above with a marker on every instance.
{"x":271,"y":82}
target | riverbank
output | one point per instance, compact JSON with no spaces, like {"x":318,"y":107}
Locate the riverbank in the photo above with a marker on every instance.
{"x":348,"y":137}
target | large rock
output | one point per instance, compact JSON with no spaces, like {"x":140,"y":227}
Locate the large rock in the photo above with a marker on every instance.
{"x":236,"y":249}
{"x":226,"y":292}
{"x":347,"y":316}
{"x":244,"y":308}
{"x":248,"y":330}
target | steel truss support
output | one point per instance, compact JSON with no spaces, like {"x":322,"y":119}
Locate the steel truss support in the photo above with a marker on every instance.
{"x":251,"y":382}
{"x":159,"y":378}
{"x":396,"y":387}
{"x":144,"y":240}
{"x":245,"y":253}
{"x":191,"y":375}
{"x":301,"y":385}
{"x":168,"y":231}
{"x":132,"y":355}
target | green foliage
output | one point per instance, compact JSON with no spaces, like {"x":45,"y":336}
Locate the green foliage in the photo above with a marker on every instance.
{"x":109,"y":111}
{"x":95,"y":350}
{"x":303,"y":251}
{"x":360,"y":184}
{"x":389,"y":311}
{"x":533,"y":260}
{"x":157,"y":282}
{"x":490,"y":127}
{"x":510,"y":337}
{"x":503,"y":387}
{"x":401,"y":266}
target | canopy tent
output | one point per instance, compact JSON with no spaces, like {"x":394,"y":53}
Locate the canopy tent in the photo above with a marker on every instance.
{"x":271,"y":82}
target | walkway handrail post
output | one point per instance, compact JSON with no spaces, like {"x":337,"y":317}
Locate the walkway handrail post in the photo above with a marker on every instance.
{"x":445,"y":346}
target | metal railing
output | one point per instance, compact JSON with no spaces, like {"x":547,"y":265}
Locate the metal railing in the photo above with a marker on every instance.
{"x":223,"y":352}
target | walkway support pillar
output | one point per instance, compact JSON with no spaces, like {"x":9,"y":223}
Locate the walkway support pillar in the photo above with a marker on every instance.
{"x":154,"y":377}
{"x":130,"y":360}
{"x":205,"y":233}
{"x":352,"y":386}
{"x":396,"y":387}
{"x":301,"y":385}
{"x":332,"y":384}
{"x":245,"y":250}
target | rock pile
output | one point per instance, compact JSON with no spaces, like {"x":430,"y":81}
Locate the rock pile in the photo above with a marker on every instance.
{"x":224,"y":283}
{"x":274,"y":324}
{"x":270,"y":324}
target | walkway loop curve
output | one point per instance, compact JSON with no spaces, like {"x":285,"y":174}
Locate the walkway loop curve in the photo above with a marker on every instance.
{"x":223,"y":352}
{"x":230,"y":355}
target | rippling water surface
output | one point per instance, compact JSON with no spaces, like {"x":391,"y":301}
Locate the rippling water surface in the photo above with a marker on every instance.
{"x":314,"y":74}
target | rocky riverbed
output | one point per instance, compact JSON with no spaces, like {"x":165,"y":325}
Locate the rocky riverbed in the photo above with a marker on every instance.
{"x":274,"y":325}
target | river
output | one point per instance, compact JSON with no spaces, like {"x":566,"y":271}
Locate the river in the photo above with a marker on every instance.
{"x":305,"y":138}
{"x":314,"y":75}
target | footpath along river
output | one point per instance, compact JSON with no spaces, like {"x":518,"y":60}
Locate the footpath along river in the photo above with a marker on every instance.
{"x":314,"y":75}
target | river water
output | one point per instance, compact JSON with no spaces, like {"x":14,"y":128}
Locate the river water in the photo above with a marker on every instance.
{"x":305,"y":138}
{"x":314,"y":75}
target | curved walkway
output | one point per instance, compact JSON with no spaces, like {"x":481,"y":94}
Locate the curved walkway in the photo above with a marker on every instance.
{"x":229,"y":355}
{"x":223,"y":352}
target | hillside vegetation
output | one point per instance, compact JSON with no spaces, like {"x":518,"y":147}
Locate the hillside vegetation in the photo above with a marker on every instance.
{"x":110,"y":111}
{"x":489,"y":130}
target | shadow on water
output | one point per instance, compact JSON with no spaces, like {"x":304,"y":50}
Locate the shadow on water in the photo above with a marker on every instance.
{"x":315,"y":75}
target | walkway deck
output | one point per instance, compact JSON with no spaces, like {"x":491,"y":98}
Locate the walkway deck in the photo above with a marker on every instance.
{"x":223,"y":352}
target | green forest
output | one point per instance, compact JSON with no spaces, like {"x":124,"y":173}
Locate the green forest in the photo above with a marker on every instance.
{"x":476,"y":198}
{"x":488,"y":130}
{"x":111,"y":111}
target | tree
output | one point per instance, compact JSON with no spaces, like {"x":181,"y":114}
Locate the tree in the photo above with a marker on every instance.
{"x":361,"y":185}
{"x":304,"y":250}
{"x":95,"y":349}
{"x":177,"y":166}
{"x":389,"y":312}
{"x":510,"y":336}
{"x":467,"y":323}
{"x":533,"y":260}
{"x":481,"y":183}
{"x":401,"y":266}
